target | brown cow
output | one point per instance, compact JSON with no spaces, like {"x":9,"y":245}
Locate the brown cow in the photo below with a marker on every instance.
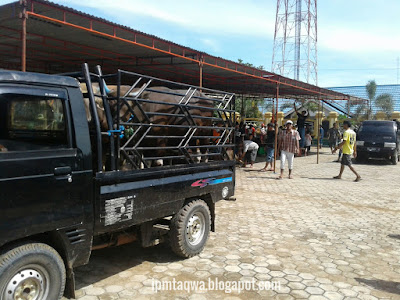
{"x":159,"y":94}
{"x":163,"y":94}
{"x":99,"y":105}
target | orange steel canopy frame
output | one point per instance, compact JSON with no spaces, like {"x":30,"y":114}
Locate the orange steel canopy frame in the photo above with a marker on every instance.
{"x":51,"y":38}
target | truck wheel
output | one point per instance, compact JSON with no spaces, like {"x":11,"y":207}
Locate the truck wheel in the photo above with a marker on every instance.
{"x":394,"y":157}
{"x":31,"y":271}
{"x":190,"y":229}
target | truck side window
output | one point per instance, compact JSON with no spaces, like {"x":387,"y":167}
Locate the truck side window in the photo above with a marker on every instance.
{"x":31,"y":123}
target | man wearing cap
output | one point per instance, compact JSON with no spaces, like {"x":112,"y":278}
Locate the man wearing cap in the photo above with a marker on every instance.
{"x":289,"y":145}
{"x":349,"y":147}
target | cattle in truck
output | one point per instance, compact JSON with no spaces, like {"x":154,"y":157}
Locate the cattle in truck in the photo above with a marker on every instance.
{"x":177,"y":117}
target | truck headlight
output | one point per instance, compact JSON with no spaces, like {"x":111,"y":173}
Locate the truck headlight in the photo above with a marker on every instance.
{"x":225,"y":192}
{"x":360,"y":143}
{"x":389,"y":145}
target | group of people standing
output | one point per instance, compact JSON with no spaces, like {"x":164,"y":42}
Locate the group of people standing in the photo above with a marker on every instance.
{"x":291,"y":141}
{"x":288,"y":145}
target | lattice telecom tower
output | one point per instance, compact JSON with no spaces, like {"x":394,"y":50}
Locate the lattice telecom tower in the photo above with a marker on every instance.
{"x":295,"y":40}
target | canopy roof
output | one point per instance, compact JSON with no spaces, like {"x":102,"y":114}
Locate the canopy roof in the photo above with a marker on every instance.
{"x":60,"y":39}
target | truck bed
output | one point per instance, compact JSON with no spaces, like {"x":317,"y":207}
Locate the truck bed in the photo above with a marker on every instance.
{"x":136,"y":196}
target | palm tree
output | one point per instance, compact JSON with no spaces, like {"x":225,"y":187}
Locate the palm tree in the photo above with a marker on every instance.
{"x":384,"y":102}
{"x":371,"y":91}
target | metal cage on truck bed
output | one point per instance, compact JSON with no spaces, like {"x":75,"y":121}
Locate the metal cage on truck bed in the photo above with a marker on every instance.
{"x":138,"y":121}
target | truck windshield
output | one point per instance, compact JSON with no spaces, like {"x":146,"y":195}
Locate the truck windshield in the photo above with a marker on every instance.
{"x":376,"y":128}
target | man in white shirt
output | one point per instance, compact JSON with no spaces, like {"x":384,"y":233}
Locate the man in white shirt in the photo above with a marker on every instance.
{"x":289,"y":144}
{"x":250,"y":149}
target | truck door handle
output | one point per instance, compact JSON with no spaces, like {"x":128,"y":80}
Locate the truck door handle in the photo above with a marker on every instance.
{"x":63,"y":173}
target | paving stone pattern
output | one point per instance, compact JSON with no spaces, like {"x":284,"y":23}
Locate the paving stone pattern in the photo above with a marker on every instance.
{"x":317,"y":237}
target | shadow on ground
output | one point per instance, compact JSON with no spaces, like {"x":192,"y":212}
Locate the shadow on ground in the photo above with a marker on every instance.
{"x":394,"y":236}
{"x":375,"y":162}
{"x":273,"y":177}
{"x":248,"y":169}
{"x":383,"y":285}
{"x":107,"y":262}
{"x":320,"y":178}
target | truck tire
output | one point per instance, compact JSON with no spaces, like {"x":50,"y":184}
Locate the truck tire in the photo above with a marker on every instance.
{"x":190,"y":228}
{"x":394,"y":157}
{"x":31,"y":271}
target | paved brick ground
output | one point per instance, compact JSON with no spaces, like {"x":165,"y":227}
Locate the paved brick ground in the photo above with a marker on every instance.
{"x":317,"y":237}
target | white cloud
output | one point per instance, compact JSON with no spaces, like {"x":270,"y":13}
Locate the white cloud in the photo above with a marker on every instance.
{"x":359,"y":40}
{"x":212,"y":45}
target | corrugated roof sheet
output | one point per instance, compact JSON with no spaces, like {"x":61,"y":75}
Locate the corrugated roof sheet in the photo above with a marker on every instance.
{"x":60,"y":38}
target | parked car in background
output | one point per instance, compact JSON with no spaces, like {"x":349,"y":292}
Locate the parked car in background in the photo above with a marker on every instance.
{"x":378,"y":139}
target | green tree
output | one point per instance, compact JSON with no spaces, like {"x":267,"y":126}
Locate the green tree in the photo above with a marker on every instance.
{"x":240,"y":61}
{"x":248,"y":107}
{"x":371,"y":91}
{"x":383,"y":102}
{"x":342,"y":118}
{"x":311,"y":106}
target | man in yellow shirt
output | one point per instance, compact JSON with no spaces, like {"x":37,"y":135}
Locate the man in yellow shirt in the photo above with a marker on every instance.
{"x":349,"y":147}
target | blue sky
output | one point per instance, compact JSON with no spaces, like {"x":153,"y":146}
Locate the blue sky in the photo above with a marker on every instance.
{"x":358,"y":40}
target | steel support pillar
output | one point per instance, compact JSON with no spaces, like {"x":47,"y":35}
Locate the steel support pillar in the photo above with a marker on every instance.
{"x":276,"y":127}
{"x":201,"y":63}
{"x":318,"y":129}
{"x":23,"y":16}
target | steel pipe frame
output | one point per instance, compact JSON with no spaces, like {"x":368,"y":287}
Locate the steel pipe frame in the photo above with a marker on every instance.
{"x":93,"y":54}
{"x":73,"y":49}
